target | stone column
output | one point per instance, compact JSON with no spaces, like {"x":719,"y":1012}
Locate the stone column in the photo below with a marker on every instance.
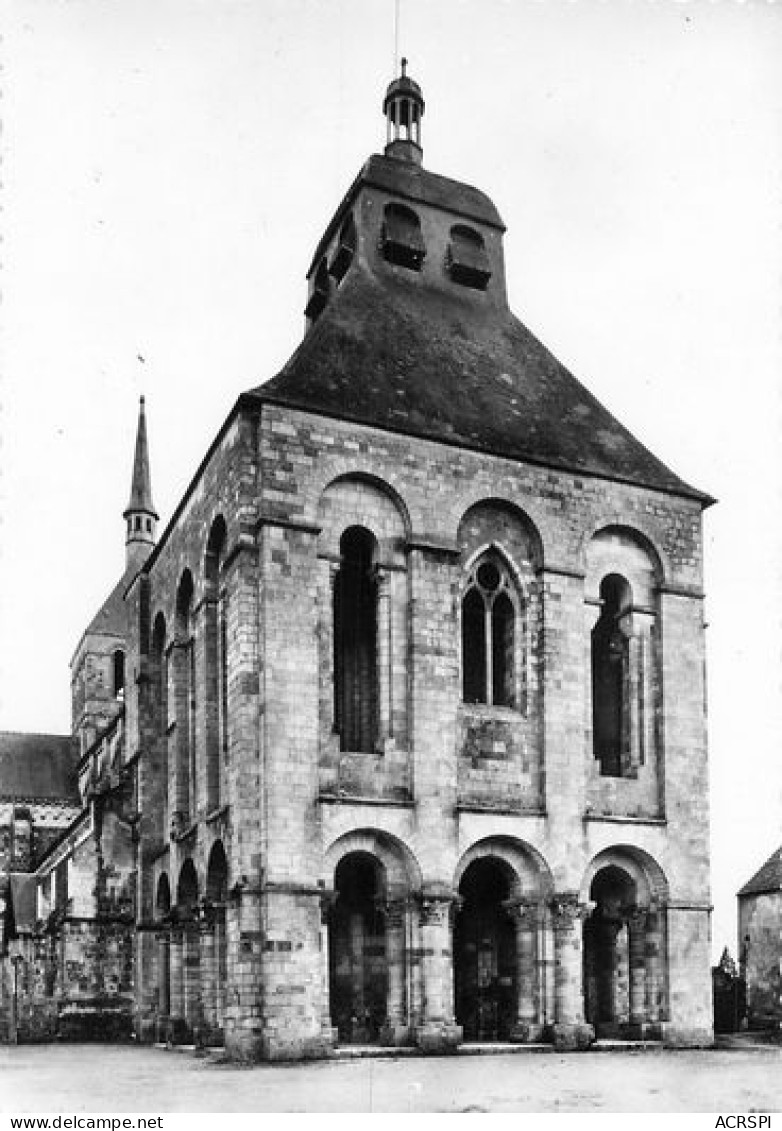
{"x":644,"y":627}
{"x":526,"y":918}
{"x":329,"y":1032}
{"x":636,"y":926}
{"x":570,"y":1029}
{"x":191,"y":956}
{"x":162,"y":942}
{"x":438,"y":1031}
{"x":397,"y":1026}
{"x":208,"y":971}
{"x":655,"y":989}
{"x":220,"y":968}
{"x":177,"y":1011}
{"x":384,"y":661}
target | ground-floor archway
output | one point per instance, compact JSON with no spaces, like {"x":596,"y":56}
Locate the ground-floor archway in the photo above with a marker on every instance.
{"x":358,"y":976}
{"x":624,"y":947}
{"x":502,"y":942}
{"x":485,"y":953}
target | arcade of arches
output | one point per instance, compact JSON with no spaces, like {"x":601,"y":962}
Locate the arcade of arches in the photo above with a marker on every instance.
{"x":500,"y":955}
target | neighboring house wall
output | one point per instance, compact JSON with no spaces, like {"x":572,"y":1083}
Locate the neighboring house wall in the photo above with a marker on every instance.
{"x":760,"y":940}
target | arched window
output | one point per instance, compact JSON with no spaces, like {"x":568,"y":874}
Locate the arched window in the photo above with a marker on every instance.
{"x":215,"y":683}
{"x":355,"y":642}
{"x":489,"y":636}
{"x":401,"y":240}
{"x":159,"y":690}
{"x":184,"y":694}
{"x":118,"y":674}
{"x":610,"y":677}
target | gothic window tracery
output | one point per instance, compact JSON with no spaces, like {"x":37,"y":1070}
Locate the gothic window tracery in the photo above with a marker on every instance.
{"x":489,"y":635}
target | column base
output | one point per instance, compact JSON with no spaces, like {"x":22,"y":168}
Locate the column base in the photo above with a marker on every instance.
{"x":147,"y":1030}
{"x":438,"y":1036}
{"x":572,"y":1036}
{"x":684,"y":1037}
{"x":177,"y":1032}
{"x":251,"y":1046}
{"x":526,"y":1033}
{"x":394,"y":1035}
{"x":640,"y":1031}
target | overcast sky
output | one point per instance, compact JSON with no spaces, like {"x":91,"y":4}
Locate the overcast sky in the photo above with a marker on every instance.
{"x":170,"y":166}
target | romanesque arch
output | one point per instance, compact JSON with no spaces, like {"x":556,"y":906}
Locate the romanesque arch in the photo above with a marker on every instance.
{"x":363,"y":632}
{"x":500,"y":941}
{"x":625,"y":946}
{"x":215,"y":647}
{"x":621,"y":587}
{"x":185,"y":954}
{"x":162,"y":964}
{"x":214,"y":945}
{"x":373,"y":877}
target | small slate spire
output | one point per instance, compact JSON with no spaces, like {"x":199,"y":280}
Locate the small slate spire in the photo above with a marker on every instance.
{"x":140,"y":514}
{"x":403,"y":107}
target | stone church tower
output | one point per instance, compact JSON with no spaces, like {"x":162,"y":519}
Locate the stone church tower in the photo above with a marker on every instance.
{"x":417,"y":695}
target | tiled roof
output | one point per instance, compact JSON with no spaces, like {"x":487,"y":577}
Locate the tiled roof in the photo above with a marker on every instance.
{"x":111,"y":618}
{"x":38,"y":767}
{"x":768,"y":878}
{"x":392,"y":353}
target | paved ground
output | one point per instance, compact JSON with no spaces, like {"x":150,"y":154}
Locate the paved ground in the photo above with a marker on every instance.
{"x":90,"y":1078}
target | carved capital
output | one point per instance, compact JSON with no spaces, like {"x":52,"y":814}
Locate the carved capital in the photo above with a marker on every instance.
{"x":566,"y":910}
{"x":394,"y":911}
{"x":636,"y":918}
{"x":525,"y":913}
{"x":436,"y":909}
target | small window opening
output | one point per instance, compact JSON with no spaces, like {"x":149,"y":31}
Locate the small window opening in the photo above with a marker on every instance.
{"x":118,"y":674}
{"x":345,"y":250}
{"x":149,"y":526}
{"x":488,"y":637}
{"x":320,"y":292}
{"x":355,"y":642}
{"x":401,"y":240}
{"x":466,"y":259}
{"x":137,"y":523}
{"x":610,"y":678}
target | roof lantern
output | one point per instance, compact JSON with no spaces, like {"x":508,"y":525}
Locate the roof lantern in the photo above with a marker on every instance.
{"x":403,"y":107}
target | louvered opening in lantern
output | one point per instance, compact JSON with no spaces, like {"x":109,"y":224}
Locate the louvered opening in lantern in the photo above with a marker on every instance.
{"x":466,"y":259}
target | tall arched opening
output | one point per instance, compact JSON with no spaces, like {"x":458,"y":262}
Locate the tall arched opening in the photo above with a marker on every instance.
{"x":625,"y":967}
{"x":358,"y":975}
{"x":163,"y":961}
{"x":214,"y":948}
{"x":485,"y":964}
{"x":188,"y":947}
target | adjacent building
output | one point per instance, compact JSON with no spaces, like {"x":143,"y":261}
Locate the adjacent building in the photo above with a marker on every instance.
{"x":760,"y":944}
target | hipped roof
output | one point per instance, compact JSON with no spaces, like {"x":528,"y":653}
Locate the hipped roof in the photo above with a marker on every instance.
{"x":412,"y":359}
{"x":766,"y":879}
{"x":38,"y":767}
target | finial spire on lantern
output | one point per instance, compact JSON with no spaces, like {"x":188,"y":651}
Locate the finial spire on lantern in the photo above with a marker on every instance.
{"x":403,"y":107}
